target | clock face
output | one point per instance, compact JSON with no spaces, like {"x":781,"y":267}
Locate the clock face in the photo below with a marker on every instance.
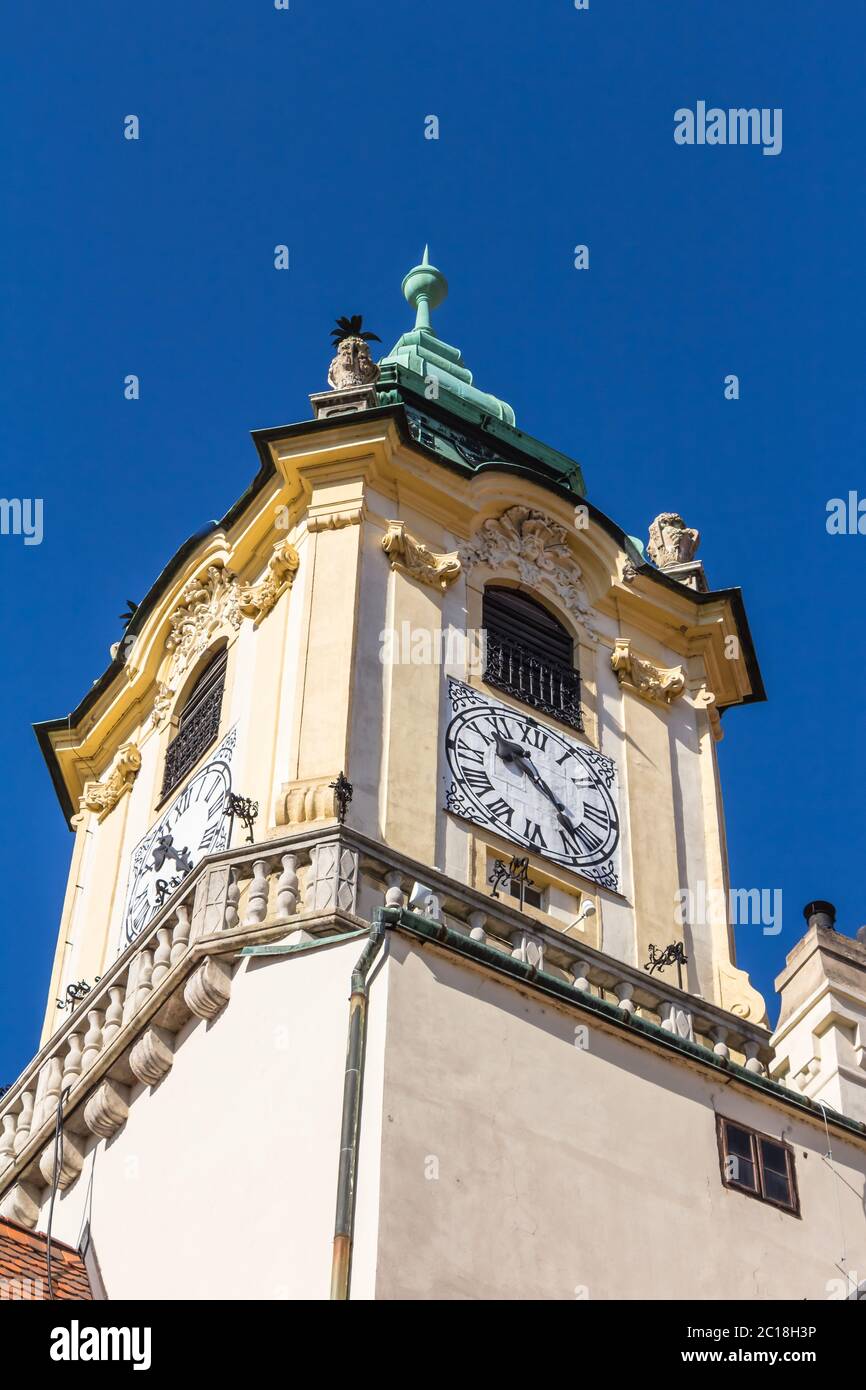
{"x":532,"y":785}
{"x":192,"y":826}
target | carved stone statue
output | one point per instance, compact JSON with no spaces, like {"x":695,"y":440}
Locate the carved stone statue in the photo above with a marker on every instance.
{"x":353,"y":365}
{"x":671,"y":542}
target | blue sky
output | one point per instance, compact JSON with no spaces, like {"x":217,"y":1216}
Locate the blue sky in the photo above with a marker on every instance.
{"x":306,"y":127}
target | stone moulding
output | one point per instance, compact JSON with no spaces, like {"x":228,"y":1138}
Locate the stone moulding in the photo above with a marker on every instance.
{"x":528,"y":541}
{"x":208,"y":989}
{"x":335,"y":521}
{"x":151,"y":1057}
{"x":256,"y":600}
{"x":102,"y":797}
{"x":706,"y":700}
{"x":306,"y":800}
{"x":658,"y":684}
{"x":410,"y":555}
{"x":107,"y":1109}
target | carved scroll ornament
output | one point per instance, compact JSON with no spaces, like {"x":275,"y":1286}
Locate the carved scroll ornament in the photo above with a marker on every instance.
{"x":102,"y":797}
{"x":660,"y":684}
{"x":537,"y":547}
{"x":417,"y":560}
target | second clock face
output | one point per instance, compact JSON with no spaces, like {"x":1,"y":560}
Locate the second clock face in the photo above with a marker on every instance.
{"x":533,"y":785}
{"x":193,"y":825}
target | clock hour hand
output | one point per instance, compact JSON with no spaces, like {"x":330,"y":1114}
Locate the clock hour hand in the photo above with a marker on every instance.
{"x":512,"y":752}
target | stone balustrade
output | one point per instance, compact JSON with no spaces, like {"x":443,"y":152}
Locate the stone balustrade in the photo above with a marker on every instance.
{"x":317,"y":882}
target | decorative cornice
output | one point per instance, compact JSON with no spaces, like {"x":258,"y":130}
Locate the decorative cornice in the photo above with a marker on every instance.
{"x":526,"y":540}
{"x":410,"y":555}
{"x":256,"y":600}
{"x":659,"y":684}
{"x":102,"y":797}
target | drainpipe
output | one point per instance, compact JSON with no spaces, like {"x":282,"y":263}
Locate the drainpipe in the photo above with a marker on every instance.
{"x":350,"y":1128}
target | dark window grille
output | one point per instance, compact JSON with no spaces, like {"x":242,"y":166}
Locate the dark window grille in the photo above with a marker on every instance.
{"x":198,"y":725}
{"x":758,"y":1165}
{"x":530,"y":655}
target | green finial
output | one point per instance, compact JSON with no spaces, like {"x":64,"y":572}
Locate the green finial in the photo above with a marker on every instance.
{"x":424,"y":287}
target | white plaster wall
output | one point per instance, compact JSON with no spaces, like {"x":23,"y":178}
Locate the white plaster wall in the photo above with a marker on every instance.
{"x":569,"y":1172}
{"x":222,"y":1182}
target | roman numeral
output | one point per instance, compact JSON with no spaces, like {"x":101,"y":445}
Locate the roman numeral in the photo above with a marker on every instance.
{"x":501,"y":810}
{"x":500,"y":724}
{"x":210,"y":834}
{"x":477,"y":779}
{"x":580,"y":843}
{"x":564,"y":759}
{"x":596,"y":816}
{"x":532,"y":832}
{"x":216,"y":790}
{"x":534,"y":735}
{"x":473,"y":755}
{"x":182,"y":802}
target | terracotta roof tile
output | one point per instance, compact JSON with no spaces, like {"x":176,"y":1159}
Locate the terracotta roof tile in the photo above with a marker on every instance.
{"x":24,"y":1266}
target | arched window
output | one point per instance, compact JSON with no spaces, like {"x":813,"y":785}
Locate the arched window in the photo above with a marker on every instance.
{"x":530,"y":655}
{"x":198,"y":724}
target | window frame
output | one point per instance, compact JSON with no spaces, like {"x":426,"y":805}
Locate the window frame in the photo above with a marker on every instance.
{"x":755,"y":1137}
{"x":503,"y":636}
{"x":193,"y":704}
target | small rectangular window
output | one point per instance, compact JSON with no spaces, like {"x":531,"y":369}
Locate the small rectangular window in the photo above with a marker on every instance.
{"x":757,"y":1165}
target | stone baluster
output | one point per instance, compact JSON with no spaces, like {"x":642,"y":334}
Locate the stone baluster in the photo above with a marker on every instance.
{"x":180,"y":934}
{"x":753,"y":1061}
{"x":162,"y":958}
{"x":477,"y":921}
{"x":92,"y":1038}
{"x":113,"y":1014}
{"x":394,"y":895}
{"x":257,"y":903}
{"x":287,"y":888}
{"x":25,"y":1122}
{"x":144,"y":978}
{"x":7,"y":1139}
{"x":232,"y":898}
{"x":580,"y":974}
{"x":624,"y":991}
{"x":72,"y":1066}
{"x":52,"y":1078}
{"x":719,"y":1036}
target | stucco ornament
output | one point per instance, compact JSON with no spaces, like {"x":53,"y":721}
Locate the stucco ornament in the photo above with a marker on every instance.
{"x":209,"y":604}
{"x":661,"y":684}
{"x":256,"y":600}
{"x":537,"y":547}
{"x":671,"y":542}
{"x":416,"y":559}
{"x":102,"y":797}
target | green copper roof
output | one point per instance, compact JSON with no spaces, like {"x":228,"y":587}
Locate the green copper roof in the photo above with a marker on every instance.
{"x":426,"y":356}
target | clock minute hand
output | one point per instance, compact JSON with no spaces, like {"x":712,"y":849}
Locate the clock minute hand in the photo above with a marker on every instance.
{"x":512,"y":752}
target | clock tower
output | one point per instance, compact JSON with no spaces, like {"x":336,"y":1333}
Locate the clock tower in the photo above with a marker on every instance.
{"x":419,"y":727}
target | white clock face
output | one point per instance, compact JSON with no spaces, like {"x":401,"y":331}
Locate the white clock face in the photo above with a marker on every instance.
{"x":533,"y":785}
{"x":193,"y":825}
